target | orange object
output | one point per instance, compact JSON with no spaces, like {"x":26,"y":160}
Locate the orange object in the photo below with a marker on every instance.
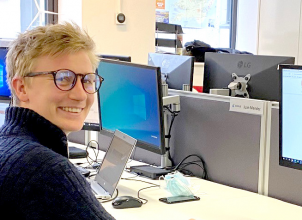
{"x":160,"y":4}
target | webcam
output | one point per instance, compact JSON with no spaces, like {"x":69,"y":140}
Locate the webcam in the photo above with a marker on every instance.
{"x":120,"y":18}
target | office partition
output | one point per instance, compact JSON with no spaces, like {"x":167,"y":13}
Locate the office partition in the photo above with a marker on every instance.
{"x":280,"y":182}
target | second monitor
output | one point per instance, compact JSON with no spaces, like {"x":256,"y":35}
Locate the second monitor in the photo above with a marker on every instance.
{"x":176,"y":70}
{"x":257,"y":74}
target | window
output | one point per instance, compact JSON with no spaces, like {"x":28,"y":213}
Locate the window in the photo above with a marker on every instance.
{"x":209,"y":21}
{"x":18,"y":15}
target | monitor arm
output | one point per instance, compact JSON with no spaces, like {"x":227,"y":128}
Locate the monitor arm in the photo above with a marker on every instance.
{"x":239,"y":85}
{"x":174,"y":102}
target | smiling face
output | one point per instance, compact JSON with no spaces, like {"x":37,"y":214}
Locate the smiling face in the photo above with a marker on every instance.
{"x":65,"y":109}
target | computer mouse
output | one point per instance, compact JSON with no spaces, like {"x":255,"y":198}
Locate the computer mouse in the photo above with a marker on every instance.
{"x":124,"y":202}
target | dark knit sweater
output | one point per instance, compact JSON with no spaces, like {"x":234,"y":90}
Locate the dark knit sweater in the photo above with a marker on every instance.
{"x":37,"y":181}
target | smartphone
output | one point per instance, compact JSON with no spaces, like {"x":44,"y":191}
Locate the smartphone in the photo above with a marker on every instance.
{"x":178,"y":199}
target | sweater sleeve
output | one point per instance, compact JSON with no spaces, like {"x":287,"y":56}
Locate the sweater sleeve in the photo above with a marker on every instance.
{"x":59,"y":191}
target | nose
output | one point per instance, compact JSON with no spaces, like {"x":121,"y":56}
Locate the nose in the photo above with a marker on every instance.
{"x":78,"y":92}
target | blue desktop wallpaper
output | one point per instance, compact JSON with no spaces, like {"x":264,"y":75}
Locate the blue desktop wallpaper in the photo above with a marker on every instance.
{"x":129,"y":101}
{"x":4,"y":90}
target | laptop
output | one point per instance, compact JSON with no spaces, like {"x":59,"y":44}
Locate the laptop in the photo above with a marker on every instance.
{"x":113,"y":165}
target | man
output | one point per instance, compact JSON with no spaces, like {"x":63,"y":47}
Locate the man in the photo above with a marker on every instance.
{"x":51,"y":74}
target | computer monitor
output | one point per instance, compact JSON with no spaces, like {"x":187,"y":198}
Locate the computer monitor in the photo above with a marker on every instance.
{"x":130,"y":100}
{"x":92,"y":122}
{"x":3,"y":105}
{"x":4,"y":89}
{"x":115,"y":57}
{"x":290,"y":117}
{"x":264,"y":77}
{"x":176,"y":70}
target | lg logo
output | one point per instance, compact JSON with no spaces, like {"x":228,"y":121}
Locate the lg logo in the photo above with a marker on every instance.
{"x":242,"y":64}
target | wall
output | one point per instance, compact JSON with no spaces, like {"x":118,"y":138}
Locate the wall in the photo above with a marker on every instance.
{"x":247,"y":26}
{"x":70,"y":10}
{"x":9,"y":18}
{"x":270,"y":27}
{"x":135,"y":38}
{"x":279,"y":28}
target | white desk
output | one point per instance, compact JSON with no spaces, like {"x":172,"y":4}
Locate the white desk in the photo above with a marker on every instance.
{"x":216,"y":202}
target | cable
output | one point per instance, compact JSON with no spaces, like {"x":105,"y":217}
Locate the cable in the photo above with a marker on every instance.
{"x":182,"y":165}
{"x":92,"y":161}
{"x":153,"y":185}
{"x":109,"y":200}
{"x":173,"y":114}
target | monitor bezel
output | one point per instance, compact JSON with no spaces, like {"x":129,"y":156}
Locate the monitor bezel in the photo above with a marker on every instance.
{"x":1,"y":96}
{"x":115,"y":57}
{"x":283,"y":162}
{"x":147,"y":146}
{"x":191,"y":70}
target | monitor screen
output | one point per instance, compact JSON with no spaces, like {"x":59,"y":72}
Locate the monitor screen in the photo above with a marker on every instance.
{"x":176,"y":70}
{"x":290,"y":116}
{"x":115,"y":57}
{"x":3,"y":105}
{"x":4,"y":89}
{"x":130,"y":100}
{"x":92,"y":122}
{"x":264,"y":76}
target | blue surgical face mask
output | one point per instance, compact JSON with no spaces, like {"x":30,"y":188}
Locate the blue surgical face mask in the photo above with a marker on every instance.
{"x":177,"y":184}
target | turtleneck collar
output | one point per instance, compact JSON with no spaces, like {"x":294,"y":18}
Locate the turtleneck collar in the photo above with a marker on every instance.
{"x":22,"y":121}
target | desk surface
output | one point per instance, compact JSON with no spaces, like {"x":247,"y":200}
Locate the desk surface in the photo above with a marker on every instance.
{"x":217,"y":201}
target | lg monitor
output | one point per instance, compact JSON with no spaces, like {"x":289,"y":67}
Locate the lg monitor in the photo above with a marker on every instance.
{"x":176,"y":70}
{"x":130,"y":100}
{"x":115,"y":57}
{"x":290,"y":117}
{"x":4,"y":89}
{"x":260,"y":72}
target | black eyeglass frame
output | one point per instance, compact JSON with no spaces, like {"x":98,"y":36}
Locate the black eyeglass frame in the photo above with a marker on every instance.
{"x":54,"y":73}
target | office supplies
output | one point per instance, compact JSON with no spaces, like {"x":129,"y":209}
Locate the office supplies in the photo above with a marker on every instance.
{"x":113,"y":165}
{"x":123,"y":202}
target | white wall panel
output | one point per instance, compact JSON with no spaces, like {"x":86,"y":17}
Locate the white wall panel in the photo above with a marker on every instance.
{"x":279,"y":27}
{"x":135,"y":38}
{"x":70,"y":11}
{"x":247,"y":25}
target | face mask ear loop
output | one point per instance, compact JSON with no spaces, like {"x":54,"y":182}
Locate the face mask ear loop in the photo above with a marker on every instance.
{"x":161,"y":182}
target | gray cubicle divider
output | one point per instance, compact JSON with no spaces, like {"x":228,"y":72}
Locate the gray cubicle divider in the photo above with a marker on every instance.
{"x":280,"y":182}
{"x":231,"y":143}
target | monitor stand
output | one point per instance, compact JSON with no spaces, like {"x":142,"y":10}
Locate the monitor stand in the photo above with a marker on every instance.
{"x":155,"y":172}
{"x":149,"y":171}
{"x":237,"y":88}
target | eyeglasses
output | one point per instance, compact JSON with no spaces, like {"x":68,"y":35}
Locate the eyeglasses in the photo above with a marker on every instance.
{"x":66,"y":79}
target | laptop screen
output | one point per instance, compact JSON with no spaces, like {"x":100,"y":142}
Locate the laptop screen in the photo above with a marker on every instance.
{"x":115,"y":161}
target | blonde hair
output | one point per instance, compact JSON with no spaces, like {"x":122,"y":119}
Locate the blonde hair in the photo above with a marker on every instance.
{"x":52,"y":40}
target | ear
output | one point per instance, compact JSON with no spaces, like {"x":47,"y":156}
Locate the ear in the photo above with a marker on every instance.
{"x":20,"y":88}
